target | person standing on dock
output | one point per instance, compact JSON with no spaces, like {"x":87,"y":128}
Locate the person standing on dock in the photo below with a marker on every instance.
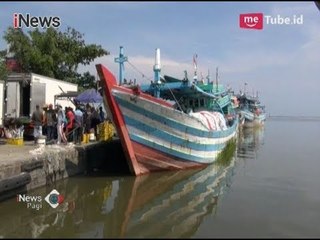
{"x":87,"y":119}
{"x":60,"y":125}
{"x":95,"y":120}
{"x":101,"y":115}
{"x":37,"y":118}
{"x":50,"y":122}
{"x":78,"y":127}
{"x":70,"y":124}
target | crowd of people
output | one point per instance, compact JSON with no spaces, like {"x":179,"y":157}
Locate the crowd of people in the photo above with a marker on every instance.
{"x":66,"y":125}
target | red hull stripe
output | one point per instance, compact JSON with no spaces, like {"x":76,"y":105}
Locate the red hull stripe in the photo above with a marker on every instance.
{"x":143,"y":95}
{"x":153,"y":160}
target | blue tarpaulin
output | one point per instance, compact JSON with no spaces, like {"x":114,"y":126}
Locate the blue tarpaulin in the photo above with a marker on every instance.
{"x":89,"y":96}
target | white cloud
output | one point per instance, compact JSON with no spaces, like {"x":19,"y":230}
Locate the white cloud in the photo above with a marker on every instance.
{"x":140,"y":67}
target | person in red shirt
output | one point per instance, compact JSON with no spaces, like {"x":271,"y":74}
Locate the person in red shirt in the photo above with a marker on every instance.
{"x":70,"y":124}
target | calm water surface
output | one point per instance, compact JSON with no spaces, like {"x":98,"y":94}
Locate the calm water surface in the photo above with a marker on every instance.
{"x":269,"y":188}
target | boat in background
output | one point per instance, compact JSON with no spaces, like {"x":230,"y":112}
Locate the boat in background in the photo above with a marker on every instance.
{"x":250,"y":110}
{"x":170,"y":124}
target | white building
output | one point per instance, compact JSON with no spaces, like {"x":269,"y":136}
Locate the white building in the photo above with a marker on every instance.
{"x":26,"y":90}
{"x":1,"y":102}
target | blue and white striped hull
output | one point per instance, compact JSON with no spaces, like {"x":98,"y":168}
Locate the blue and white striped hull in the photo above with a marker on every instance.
{"x":164,"y":129}
{"x":248,"y":116}
{"x":252,"y":120}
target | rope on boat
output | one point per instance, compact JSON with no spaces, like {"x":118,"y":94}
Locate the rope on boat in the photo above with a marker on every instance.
{"x":144,"y":76}
{"x":173,"y":96}
{"x":135,"y":68}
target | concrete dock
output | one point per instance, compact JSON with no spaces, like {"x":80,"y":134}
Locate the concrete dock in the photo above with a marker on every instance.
{"x":30,"y":166}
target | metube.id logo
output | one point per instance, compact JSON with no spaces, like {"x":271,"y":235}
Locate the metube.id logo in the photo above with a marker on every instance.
{"x":251,"y":20}
{"x":20,"y":20}
{"x":258,"y":20}
{"x":54,"y":198}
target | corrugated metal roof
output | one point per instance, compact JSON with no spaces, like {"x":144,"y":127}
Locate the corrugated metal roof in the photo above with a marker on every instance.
{"x":19,"y":77}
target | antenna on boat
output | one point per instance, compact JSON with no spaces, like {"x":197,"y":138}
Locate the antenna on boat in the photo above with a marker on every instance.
{"x":157,"y":69}
{"x":195,"y":77}
{"x":245,"y":84}
{"x":208,"y":77}
{"x":121,"y":59}
{"x":217,"y":79}
{"x":185,"y":75}
{"x":202,"y":78}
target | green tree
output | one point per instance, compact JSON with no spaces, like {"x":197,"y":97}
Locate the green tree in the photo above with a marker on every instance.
{"x":53,"y":53}
{"x":86,"y":81}
{"x":3,"y":67}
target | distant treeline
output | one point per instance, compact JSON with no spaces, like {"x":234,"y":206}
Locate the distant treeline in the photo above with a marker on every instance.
{"x":297,"y":118}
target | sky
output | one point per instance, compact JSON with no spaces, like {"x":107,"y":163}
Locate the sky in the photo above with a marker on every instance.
{"x":281,"y":62}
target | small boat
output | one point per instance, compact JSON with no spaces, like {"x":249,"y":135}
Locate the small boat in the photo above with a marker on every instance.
{"x":251,"y":111}
{"x":169,"y":124}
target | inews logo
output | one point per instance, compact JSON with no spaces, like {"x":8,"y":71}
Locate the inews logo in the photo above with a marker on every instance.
{"x":54,"y":199}
{"x":256,"y":20}
{"x":28,"y":21}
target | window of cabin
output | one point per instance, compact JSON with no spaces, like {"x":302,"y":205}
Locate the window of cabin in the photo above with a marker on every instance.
{"x":196,"y":103}
{"x":201,"y":102}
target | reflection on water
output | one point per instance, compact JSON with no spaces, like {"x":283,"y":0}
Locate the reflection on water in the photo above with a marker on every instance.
{"x":169,"y":204}
{"x":249,"y":142}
